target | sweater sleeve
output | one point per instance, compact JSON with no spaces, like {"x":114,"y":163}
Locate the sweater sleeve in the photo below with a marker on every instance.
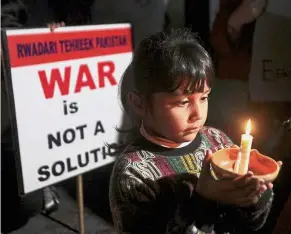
{"x":254,"y":218}
{"x":134,"y":199}
{"x":133,"y":205}
{"x":202,"y":214}
{"x":247,"y":220}
{"x":141,"y":205}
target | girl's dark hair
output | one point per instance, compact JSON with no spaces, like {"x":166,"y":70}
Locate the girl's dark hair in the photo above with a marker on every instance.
{"x":161,"y":63}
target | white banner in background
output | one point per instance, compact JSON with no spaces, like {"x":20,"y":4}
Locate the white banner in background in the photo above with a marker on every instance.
{"x":270,"y":75}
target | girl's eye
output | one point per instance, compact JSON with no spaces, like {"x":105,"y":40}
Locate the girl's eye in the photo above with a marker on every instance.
{"x":203,"y":99}
{"x":183,"y":103}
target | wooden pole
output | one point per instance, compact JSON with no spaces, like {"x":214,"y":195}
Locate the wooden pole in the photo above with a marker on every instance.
{"x":80,"y":204}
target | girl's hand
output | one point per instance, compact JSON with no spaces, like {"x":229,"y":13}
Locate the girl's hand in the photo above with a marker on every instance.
{"x":242,"y":191}
{"x":53,"y":26}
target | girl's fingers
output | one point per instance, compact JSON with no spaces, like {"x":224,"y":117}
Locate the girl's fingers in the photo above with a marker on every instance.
{"x":252,"y":194}
{"x":263,"y":188}
{"x":269,"y":185}
{"x":251,"y":197}
{"x":242,"y":181}
{"x":252,"y":189}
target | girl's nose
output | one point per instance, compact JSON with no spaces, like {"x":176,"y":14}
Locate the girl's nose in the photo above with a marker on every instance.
{"x":195,"y":113}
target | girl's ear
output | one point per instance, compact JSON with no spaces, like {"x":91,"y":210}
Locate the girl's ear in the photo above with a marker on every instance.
{"x":137,"y":103}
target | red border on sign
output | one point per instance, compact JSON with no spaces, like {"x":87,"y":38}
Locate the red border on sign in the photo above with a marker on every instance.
{"x":15,"y":40}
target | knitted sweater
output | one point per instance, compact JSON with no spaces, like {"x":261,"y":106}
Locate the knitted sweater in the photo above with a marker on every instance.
{"x":152,"y":190}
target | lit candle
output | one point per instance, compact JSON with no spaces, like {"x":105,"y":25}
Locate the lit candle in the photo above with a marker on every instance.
{"x":245,"y":150}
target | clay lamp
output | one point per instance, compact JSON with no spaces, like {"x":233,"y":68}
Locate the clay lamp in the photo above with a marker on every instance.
{"x":224,"y":162}
{"x":232,"y":162}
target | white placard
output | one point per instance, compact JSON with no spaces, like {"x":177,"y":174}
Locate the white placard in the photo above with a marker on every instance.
{"x":270,"y":75}
{"x":65,"y":90}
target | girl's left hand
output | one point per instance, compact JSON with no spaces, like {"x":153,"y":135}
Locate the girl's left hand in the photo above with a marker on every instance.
{"x":53,"y":26}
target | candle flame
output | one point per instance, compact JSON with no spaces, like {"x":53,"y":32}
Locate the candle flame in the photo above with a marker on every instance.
{"x":249,"y":127}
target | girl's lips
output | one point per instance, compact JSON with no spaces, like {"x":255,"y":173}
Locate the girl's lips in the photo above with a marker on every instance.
{"x":192,"y":129}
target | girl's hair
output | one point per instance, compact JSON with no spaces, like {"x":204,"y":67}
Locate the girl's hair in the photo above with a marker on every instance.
{"x":161,"y":63}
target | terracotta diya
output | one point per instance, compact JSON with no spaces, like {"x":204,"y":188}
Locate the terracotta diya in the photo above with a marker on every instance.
{"x":223,"y":163}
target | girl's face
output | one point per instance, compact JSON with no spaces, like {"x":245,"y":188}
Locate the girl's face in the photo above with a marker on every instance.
{"x":176,"y":116}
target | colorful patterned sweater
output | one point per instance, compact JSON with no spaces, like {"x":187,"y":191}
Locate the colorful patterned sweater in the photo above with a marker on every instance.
{"x":152,"y":190}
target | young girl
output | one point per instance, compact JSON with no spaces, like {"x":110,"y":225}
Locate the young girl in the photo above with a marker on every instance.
{"x":162,"y":183}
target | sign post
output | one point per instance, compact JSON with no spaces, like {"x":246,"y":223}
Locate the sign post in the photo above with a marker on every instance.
{"x":80,"y":204}
{"x":63,"y":94}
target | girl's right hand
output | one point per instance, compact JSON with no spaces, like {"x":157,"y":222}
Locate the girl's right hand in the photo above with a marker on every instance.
{"x":242,"y":191}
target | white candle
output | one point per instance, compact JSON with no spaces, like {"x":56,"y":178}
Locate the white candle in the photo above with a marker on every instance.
{"x":237,"y":162}
{"x":245,"y":150}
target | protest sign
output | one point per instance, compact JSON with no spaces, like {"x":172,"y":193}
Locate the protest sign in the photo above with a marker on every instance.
{"x":63,"y":89}
{"x":270,"y":75}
